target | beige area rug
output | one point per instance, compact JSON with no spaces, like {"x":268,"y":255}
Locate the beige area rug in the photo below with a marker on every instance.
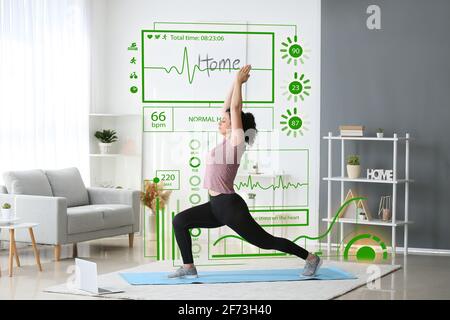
{"x":283,"y":290}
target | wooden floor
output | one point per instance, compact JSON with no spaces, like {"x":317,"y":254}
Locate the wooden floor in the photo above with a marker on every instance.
{"x":422,"y":276}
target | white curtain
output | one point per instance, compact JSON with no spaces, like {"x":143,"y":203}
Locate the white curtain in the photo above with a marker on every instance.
{"x":44,"y":84}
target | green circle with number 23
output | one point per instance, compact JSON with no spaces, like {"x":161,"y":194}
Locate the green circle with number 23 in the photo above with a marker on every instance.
{"x":295,"y":87}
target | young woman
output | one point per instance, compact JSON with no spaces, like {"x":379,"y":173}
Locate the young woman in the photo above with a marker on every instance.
{"x":225,"y":206}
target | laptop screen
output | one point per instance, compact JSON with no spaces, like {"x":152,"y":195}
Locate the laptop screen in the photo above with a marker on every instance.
{"x":86,"y":275}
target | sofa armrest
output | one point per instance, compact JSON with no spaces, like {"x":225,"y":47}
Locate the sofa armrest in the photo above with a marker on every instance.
{"x":118,"y":196}
{"x":49,"y":212}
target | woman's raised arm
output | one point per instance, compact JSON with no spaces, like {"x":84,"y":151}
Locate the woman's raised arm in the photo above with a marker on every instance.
{"x":237,"y":133}
{"x":227,"y":102}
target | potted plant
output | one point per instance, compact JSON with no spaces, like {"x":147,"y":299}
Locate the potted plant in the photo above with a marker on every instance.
{"x":380,"y":132}
{"x":154,"y":190}
{"x":353,"y":167}
{"x":106,"y":138}
{"x":6,"y":211}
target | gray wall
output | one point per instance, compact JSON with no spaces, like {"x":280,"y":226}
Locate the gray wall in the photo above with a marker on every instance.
{"x":397,"y":78}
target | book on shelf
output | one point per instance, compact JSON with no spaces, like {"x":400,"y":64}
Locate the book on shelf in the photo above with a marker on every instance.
{"x":350,"y":130}
{"x":352,"y":133}
{"x":345,"y":127}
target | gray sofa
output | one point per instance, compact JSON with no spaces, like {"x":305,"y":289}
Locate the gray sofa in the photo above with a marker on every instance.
{"x":67,"y":211}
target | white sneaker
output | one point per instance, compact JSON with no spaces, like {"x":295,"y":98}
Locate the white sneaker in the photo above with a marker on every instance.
{"x":184,"y":273}
{"x":311,"y":267}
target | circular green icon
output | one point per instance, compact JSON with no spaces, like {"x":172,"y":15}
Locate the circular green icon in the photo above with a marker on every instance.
{"x":194,"y":181}
{"x":194,"y":144}
{"x":295,"y":51}
{"x":196,"y":248}
{"x":194,"y":162}
{"x":295,"y":87}
{"x":365,"y":253}
{"x":195,"y":199}
{"x":295,"y":123}
{"x":155,"y":179}
{"x":195,"y":232}
{"x":134,"y":89}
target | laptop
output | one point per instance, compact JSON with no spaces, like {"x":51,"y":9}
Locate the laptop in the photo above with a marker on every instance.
{"x":86,"y":278}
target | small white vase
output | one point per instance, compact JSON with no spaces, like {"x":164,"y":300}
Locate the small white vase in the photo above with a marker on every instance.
{"x":380,"y":134}
{"x":7,"y":214}
{"x":353,"y":171}
{"x":105,"y":148}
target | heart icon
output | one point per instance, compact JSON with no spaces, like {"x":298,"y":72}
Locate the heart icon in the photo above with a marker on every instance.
{"x":157,"y":36}
{"x":150,"y":36}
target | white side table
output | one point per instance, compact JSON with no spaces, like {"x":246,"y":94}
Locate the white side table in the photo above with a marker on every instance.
{"x":12,"y":244}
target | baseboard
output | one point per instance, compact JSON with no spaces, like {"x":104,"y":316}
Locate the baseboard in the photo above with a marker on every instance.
{"x":424,"y":251}
{"x":414,"y":251}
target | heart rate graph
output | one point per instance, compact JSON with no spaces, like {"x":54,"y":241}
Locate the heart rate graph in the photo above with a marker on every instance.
{"x":282,"y":180}
{"x":210,"y":66}
{"x":279,"y":183}
{"x":181,"y":66}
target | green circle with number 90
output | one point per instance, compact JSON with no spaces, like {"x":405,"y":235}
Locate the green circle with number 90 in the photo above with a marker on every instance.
{"x":295,"y":51}
{"x":295,"y":87}
{"x":295,"y":123}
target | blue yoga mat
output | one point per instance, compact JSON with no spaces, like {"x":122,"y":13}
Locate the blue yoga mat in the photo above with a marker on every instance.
{"x":153,"y":278}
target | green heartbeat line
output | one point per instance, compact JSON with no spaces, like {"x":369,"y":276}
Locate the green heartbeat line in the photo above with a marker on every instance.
{"x":336,"y":217}
{"x":280,"y":184}
{"x":186,"y":66}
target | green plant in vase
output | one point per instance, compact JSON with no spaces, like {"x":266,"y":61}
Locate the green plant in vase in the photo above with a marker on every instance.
{"x":7,"y":213}
{"x":353,"y":166}
{"x":106,"y":139}
{"x":380,"y":133}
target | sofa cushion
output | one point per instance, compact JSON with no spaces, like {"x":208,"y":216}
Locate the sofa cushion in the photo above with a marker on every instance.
{"x":29,"y":182}
{"x":117,"y":215}
{"x":98,"y":216}
{"x":68,"y":183}
{"x":84,"y":219}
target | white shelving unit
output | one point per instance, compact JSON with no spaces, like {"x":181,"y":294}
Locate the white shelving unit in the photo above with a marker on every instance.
{"x":112,"y":155}
{"x":123,"y":166}
{"x":394,"y":223}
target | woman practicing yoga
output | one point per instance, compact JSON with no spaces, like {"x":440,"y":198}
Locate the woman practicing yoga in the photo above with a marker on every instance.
{"x":225,"y":206}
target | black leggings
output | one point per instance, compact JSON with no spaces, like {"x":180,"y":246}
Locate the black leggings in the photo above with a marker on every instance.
{"x":232,"y":211}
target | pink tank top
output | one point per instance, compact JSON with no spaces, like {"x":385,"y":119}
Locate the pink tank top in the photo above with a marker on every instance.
{"x":222,"y":164}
